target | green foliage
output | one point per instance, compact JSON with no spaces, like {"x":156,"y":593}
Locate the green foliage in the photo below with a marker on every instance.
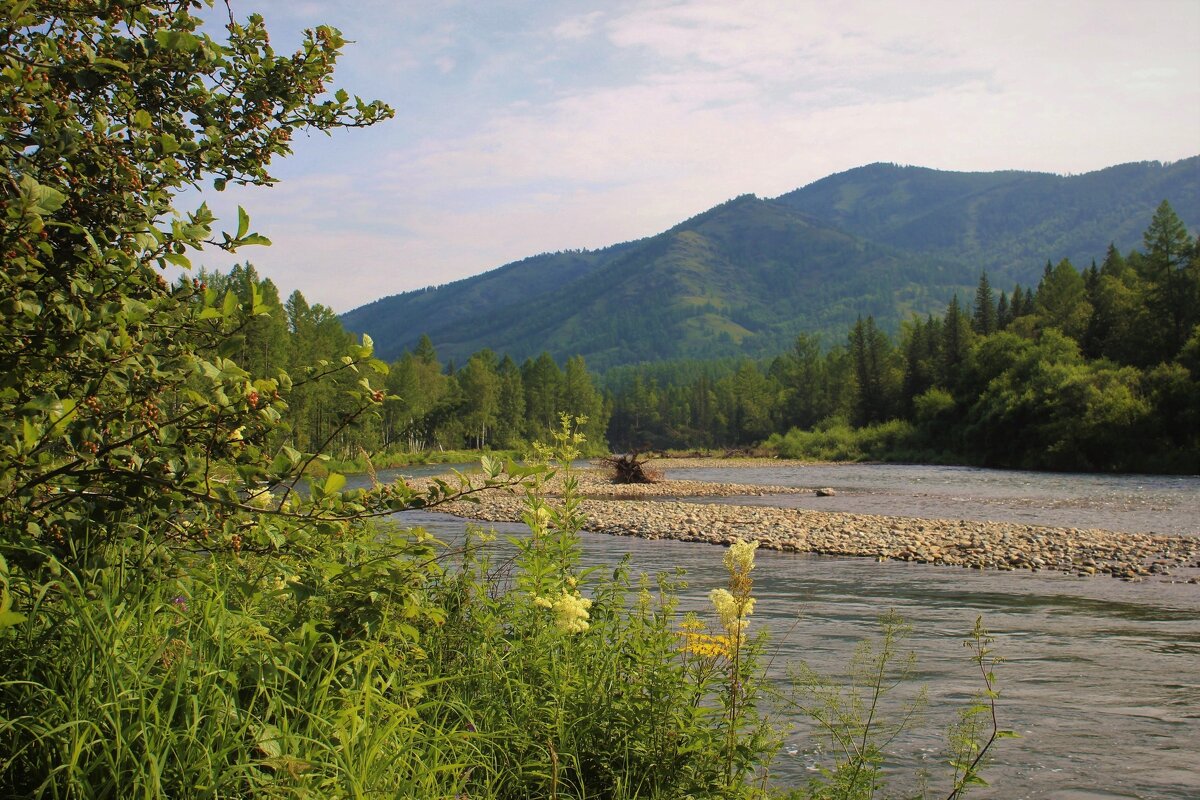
{"x":836,"y":440}
{"x":588,"y":696}
{"x":1092,"y":371}
{"x":1062,"y":300}
{"x":977,"y":728}
{"x":234,"y":676}
{"x":858,"y":717}
{"x":129,"y":409}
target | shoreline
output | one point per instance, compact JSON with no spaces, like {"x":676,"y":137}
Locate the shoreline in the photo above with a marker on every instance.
{"x":654,"y":511}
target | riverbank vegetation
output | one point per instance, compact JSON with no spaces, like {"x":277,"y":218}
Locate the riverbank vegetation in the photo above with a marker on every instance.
{"x":487,"y":404}
{"x":1096,"y":369}
{"x":178,"y":616}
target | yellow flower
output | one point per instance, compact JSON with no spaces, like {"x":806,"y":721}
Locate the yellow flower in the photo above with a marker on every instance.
{"x":571,"y":613}
{"x":732,"y":611}
{"x":739,"y":558}
{"x":706,"y":645}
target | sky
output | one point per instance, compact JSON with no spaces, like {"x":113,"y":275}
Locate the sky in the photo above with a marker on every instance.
{"x":525,"y":127}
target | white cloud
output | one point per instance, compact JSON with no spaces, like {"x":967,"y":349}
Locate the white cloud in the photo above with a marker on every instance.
{"x":585,"y":129}
{"x":574,"y":29}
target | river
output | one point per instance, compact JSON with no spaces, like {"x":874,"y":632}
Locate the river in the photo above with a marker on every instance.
{"x":1101,"y":678}
{"x":1133,"y":503}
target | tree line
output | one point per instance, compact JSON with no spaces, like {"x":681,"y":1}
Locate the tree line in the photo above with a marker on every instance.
{"x":490,"y":402}
{"x":1095,"y":369}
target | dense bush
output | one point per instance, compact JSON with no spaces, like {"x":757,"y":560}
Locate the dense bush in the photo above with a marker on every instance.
{"x":836,"y":440}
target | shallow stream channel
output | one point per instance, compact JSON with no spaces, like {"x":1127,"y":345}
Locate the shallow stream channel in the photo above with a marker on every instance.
{"x":1101,"y":677}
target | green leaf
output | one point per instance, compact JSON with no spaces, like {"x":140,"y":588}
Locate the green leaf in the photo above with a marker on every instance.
{"x":111,"y":63}
{"x":30,"y":432}
{"x":66,"y":408}
{"x":230,"y":346}
{"x":268,"y":741}
{"x":229,"y":304}
{"x":168,"y":143}
{"x":45,"y":402}
{"x":142,"y":120}
{"x":42,"y":199}
{"x":10,"y":618}
{"x":177,"y":40}
{"x":334,"y":483}
{"x":243,"y":222}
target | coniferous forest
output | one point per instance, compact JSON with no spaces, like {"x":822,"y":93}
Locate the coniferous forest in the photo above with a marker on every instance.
{"x":1092,"y":369}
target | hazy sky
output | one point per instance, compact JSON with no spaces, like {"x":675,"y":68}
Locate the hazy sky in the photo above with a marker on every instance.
{"x":526,"y":126}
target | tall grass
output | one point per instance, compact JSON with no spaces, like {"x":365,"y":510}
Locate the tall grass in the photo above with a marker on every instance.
{"x":205,"y":686}
{"x":368,"y":666}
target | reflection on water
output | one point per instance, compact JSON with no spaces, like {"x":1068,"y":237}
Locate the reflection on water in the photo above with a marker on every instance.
{"x":1137,"y":503}
{"x":1100,"y":676}
{"x":415,"y":471}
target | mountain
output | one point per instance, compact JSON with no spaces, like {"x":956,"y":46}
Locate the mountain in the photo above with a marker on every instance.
{"x":1003,"y":222}
{"x":745,"y":277}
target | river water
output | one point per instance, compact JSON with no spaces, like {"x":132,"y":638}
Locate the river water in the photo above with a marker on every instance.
{"x":1134,"y":503}
{"x":1101,"y":678}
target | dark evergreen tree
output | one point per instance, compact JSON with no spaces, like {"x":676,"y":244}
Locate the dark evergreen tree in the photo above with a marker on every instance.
{"x":921,"y":342}
{"x":1062,"y":300}
{"x":1173,"y":290}
{"x":1003,"y":312}
{"x":956,"y":341}
{"x":510,"y":420}
{"x":543,"y":388}
{"x":984,"y":319}
{"x":871,"y":351}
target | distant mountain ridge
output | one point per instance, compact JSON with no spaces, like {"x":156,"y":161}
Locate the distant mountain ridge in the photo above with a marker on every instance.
{"x":745,"y":277}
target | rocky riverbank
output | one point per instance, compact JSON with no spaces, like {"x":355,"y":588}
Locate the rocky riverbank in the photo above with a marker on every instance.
{"x":652,"y":511}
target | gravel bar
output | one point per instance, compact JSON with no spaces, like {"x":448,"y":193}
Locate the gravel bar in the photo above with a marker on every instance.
{"x":651,"y":511}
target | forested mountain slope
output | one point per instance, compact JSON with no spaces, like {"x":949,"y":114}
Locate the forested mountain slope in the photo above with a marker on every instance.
{"x":1008,"y":223}
{"x":747,"y":276}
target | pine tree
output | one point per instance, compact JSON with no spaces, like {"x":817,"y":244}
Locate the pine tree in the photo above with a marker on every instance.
{"x":872,"y":352}
{"x":1171,"y":288}
{"x":425,"y":350}
{"x":984,"y":319}
{"x":1062,"y":300}
{"x":956,"y":340}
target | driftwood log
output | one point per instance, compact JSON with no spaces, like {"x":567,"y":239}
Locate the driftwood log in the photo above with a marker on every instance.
{"x":628,"y":468}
